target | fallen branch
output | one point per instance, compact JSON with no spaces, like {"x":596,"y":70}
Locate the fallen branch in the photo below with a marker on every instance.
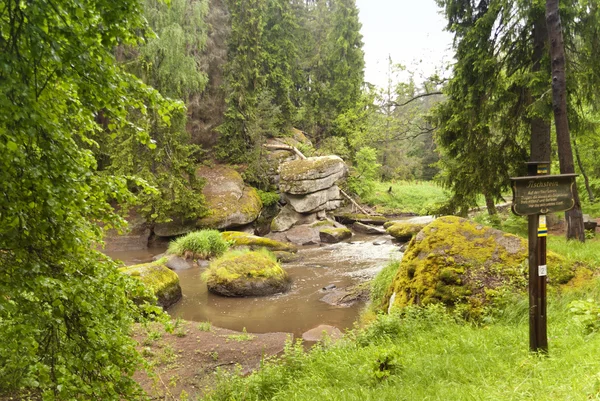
{"x":286,"y":147}
{"x":354,"y":203}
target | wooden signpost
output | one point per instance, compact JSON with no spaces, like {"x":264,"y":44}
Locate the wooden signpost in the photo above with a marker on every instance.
{"x":534,"y":196}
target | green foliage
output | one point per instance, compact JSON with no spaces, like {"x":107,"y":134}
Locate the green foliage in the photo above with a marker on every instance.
{"x":65,"y":313}
{"x":364,"y":173}
{"x":405,"y":197}
{"x":436,"y":357}
{"x":587,"y":314}
{"x":381,"y":283}
{"x":203,"y":244}
{"x":268,"y":198}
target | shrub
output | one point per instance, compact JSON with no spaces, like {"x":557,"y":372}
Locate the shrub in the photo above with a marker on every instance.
{"x":202,"y":244}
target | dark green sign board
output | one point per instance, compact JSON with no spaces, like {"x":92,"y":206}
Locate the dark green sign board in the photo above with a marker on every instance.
{"x":542,"y":194}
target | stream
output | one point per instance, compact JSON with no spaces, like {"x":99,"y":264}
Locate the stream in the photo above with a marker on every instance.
{"x":296,"y":311}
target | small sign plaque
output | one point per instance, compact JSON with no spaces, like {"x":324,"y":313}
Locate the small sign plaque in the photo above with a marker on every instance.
{"x":542,"y":194}
{"x":543,"y":270}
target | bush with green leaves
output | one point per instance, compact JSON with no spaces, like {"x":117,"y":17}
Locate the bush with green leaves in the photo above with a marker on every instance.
{"x":203,"y":244}
{"x":364,"y":172}
{"x":65,"y":309}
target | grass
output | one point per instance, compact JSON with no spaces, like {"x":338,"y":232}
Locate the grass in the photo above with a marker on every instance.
{"x":202,"y":244}
{"x":406,"y":197}
{"x":427,"y":354}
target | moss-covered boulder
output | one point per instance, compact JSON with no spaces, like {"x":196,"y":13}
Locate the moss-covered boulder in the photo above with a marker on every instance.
{"x":246,"y":273}
{"x":305,"y":176}
{"x":455,"y":261}
{"x":238,"y":238}
{"x":403,"y":231}
{"x":231,"y":202}
{"x":334,"y":235}
{"x":161,"y":280}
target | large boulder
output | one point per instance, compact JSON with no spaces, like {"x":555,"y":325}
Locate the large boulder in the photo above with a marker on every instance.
{"x":231,"y":202}
{"x":246,"y":273}
{"x":162,"y":281}
{"x":288,"y":218}
{"x":237,"y":238}
{"x":305,"y":176}
{"x":134,"y":238}
{"x":455,"y":261}
{"x":326,"y":199}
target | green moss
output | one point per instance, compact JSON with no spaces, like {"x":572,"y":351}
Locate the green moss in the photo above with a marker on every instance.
{"x":299,"y":169}
{"x":161,"y":280}
{"x":346,"y":218}
{"x":238,"y":238}
{"x":404,"y":231}
{"x":454,"y":261}
{"x":223,"y":206}
{"x":323,"y":223}
{"x":244,"y":264}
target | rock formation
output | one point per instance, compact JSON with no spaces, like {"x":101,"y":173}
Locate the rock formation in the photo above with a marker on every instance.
{"x":157,"y":277}
{"x":308,"y":186}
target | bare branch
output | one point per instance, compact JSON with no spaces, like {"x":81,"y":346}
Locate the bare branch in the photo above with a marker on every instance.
{"x":414,"y":98}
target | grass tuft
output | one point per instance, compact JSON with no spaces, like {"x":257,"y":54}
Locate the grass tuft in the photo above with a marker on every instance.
{"x":202,"y":244}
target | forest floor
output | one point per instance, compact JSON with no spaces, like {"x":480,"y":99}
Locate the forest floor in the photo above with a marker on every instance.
{"x":183,"y":363}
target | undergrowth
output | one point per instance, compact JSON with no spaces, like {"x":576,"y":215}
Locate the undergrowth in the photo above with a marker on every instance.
{"x":202,"y":244}
{"x":428,"y":353}
{"x":405,"y":197}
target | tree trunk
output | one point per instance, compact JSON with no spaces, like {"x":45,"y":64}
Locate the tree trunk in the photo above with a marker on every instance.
{"x":541,"y":147}
{"x":491,"y":205}
{"x":585,"y":176}
{"x":574,"y":217}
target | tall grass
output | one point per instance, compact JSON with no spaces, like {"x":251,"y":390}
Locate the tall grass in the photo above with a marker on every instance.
{"x":405,"y":197}
{"x":426,"y":354}
{"x":202,"y":244}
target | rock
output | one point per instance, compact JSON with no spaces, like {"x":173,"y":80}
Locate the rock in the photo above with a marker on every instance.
{"x":243,"y":274}
{"x":314,"y":202}
{"x":589,"y":223}
{"x":345,"y":297}
{"x":334,"y":235}
{"x":174,"y":228}
{"x":255,"y":242}
{"x":231,"y":202}
{"x":135,"y":238}
{"x":329,"y":287}
{"x":380,"y":242}
{"x":404,"y":231}
{"x":351,"y":218}
{"x":162,"y":281}
{"x":413,"y":220}
{"x":367,"y":229}
{"x":303,"y":235}
{"x":321,"y":332}
{"x":305,"y":176}
{"x":286,"y":257}
{"x":455,"y":261}
{"x":288,"y":217}
{"x":175,"y":262}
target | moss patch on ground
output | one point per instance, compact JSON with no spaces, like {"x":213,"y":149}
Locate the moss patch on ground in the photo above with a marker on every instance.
{"x":238,"y":238}
{"x":161,"y":280}
{"x":246,"y":273}
{"x":454,"y":262}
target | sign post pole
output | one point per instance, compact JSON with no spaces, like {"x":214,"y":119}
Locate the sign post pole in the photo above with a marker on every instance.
{"x":535,"y":196}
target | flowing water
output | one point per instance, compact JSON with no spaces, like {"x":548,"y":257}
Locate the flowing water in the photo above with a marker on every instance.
{"x":296,"y":311}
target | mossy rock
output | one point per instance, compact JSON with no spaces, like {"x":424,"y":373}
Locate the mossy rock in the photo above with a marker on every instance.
{"x":454,"y":261}
{"x":305,"y":176}
{"x":231,"y":202}
{"x":350,"y":218}
{"x":238,"y":238}
{"x":161,"y":280}
{"x":286,"y":257}
{"x":404,"y":231}
{"x":246,"y":273}
{"x":334,"y":235}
